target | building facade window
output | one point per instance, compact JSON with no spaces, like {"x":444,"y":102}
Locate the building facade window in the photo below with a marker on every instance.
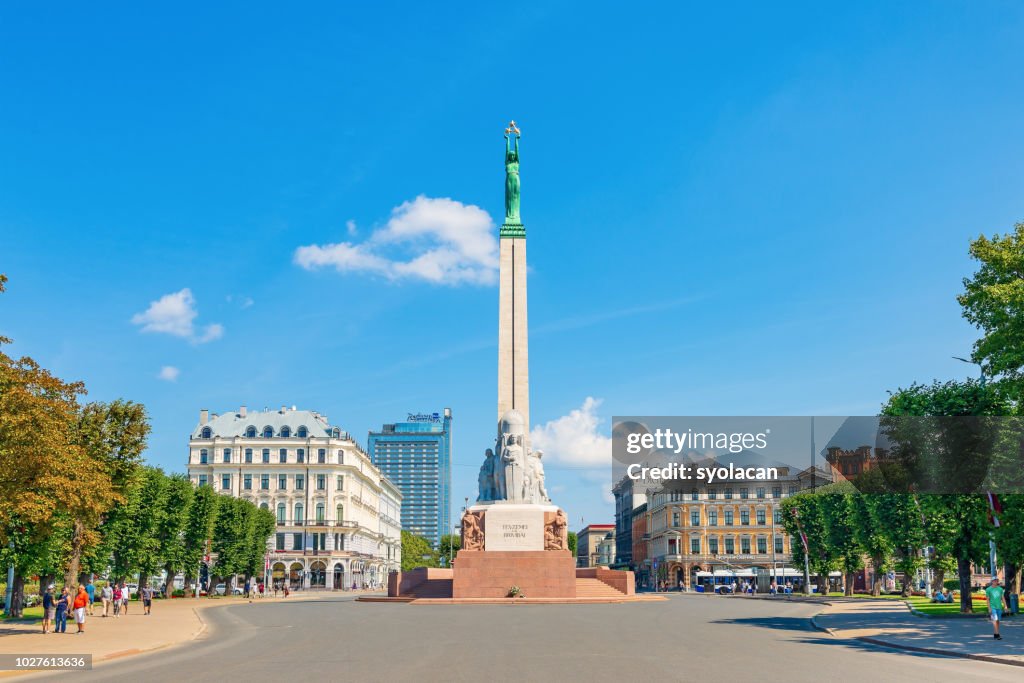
{"x":777,"y":516}
{"x":745,"y":545}
{"x":206,"y":433}
{"x":694,"y":517}
{"x":247,"y":482}
{"x":280,"y":513}
{"x":264,"y":482}
{"x":340,"y":513}
{"x":745,"y":517}
{"x":202,"y":480}
{"x":321,"y":455}
{"x":728,"y":517}
{"x":225,"y":482}
{"x":695,"y":546}
{"x":744,"y":493}
{"x":282,"y":482}
{"x":762,"y":545}
{"x":760,"y":517}
{"x":266,"y":456}
{"x":712,"y":494}
{"x":760,"y":493}
{"x":250,"y":432}
{"x":300,"y":482}
{"x":675,"y":518}
{"x":712,"y":517}
{"x":339,"y":484}
{"x":776,"y":492}
{"x":321,"y":482}
{"x":286,"y":432}
{"x":730,"y":545}
{"x":298,"y":513}
{"x":204,"y":456}
{"x":728,"y":493}
{"x":300,"y":455}
{"x":302,"y":433}
{"x":778,"y":544}
{"x":282,"y":455}
{"x":227,"y":455}
{"x":341,"y":457}
{"x":248,"y":456}
{"x":268,"y":432}
{"x":319,"y":512}
{"x":279,"y":545}
{"x":694,"y":495}
{"x":713,"y":545}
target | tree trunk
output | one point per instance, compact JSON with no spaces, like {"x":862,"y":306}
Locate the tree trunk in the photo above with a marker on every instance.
{"x":77,"y":547}
{"x":878,"y":576}
{"x":17,"y":596}
{"x":963,"y":570}
{"x":849,"y":584}
{"x":169,"y":588}
{"x":1010,"y":574}
{"x":143,"y":581}
{"x":823,"y":585}
{"x":939,"y":580}
{"x":44,"y":581}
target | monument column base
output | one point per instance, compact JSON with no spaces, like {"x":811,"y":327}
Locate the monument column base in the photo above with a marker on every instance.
{"x":537,"y":573}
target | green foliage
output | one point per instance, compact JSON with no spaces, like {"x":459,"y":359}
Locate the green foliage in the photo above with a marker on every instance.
{"x":263,"y":527}
{"x":449,"y":547}
{"x":572,"y":543}
{"x":416,"y":552}
{"x":233,"y":531}
{"x":170,"y":532}
{"x":198,"y":530}
{"x":993,"y":300}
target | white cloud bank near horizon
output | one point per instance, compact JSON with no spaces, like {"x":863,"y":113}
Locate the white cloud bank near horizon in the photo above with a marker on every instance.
{"x":447,"y":243}
{"x":175,"y":314}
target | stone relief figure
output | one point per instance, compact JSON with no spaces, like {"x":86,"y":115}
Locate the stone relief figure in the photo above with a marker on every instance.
{"x":555,"y":533}
{"x":472,"y":531}
{"x":486,"y":477}
{"x":512,"y":471}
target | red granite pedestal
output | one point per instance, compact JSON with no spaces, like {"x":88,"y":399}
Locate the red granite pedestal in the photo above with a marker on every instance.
{"x":537,"y":573}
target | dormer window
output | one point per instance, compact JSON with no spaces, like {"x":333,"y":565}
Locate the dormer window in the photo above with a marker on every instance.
{"x":250,"y":432}
{"x":206,"y":433}
{"x":268,"y":432}
{"x":285,"y":432}
{"x":336,"y":433}
{"x":302,"y":433}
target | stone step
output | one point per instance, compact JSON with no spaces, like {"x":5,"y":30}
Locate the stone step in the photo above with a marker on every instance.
{"x":432,"y":588}
{"x":595,"y":588}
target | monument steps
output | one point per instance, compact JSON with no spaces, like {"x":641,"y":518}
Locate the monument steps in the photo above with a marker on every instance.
{"x":595,"y":588}
{"x":431,"y":588}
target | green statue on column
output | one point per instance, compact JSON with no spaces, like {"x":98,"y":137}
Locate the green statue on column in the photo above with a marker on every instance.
{"x":513,"y":226}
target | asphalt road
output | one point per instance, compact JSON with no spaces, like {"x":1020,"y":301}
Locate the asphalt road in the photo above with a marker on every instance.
{"x":687,"y":638}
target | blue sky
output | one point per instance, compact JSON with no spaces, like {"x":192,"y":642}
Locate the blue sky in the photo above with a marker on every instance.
{"x":757,"y":209}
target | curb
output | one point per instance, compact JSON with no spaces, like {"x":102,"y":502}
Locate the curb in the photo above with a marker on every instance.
{"x":943,"y":653}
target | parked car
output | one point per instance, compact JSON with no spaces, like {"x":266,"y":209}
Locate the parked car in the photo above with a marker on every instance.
{"x":133,"y":588}
{"x":221,"y":589}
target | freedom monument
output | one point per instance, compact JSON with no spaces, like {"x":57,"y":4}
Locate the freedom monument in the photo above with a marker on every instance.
{"x":514,"y":539}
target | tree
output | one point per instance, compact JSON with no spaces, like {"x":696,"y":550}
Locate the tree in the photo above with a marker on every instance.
{"x":449,"y":547}
{"x":171,"y":529}
{"x":198,"y":531}
{"x":871,"y":532}
{"x":993,"y":300}
{"x":112,"y":436}
{"x":841,"y":530}
{"x":416,"y":552}
{"x":263,"y":527}
{"x":233,"y":531}
{"x":946,"y":436}
{"x":572,"y":543}
{"x":806,"y":511}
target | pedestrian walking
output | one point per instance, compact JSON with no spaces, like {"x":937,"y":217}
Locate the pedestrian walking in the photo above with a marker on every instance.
{"x":49,"y":607}
{"x":91,"y":592}
{"x":248,"y":587}
{"x":996,"y":601}
{"x":63,"y":603}
{"x":147,"y":600}
{"x":80,"y":605}
{"x":106,"y":595}
{"x":117,"y":601}
{"x":126,"y":595}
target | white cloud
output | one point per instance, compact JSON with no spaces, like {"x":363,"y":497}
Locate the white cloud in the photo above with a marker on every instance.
{"x":169,"y":373}
{"x":350,"y":226}
{"x":574,"y":439}
{"x":444,"y":242}
{"x":175,"y":314}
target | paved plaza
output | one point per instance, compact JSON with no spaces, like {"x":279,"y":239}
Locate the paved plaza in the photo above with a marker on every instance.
{"x":685,"y":638}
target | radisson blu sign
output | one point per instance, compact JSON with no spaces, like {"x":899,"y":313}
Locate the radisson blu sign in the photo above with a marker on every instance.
{"x":424,"y":417}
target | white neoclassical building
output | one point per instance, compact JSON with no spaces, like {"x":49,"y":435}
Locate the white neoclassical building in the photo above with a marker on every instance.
{"x":337,"y":516}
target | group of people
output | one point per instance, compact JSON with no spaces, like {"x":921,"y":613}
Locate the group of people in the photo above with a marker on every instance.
{"x":113,"y":597}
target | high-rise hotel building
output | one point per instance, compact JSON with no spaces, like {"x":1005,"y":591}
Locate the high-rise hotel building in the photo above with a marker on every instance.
{"x":337,"y":516}
{"x":417,"y":456}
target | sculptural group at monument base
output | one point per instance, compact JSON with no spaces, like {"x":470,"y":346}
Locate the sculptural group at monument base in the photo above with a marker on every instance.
{"x":512,"y":471}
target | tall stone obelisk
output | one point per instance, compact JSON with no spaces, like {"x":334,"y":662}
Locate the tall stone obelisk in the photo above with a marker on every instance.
{"x":513,"y":350}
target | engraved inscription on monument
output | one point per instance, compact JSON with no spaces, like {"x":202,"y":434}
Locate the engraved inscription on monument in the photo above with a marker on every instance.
{"x":514,"y":528}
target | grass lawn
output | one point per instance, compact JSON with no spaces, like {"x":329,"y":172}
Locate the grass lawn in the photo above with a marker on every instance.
{"x":29,"y":613}
{"x":922,"y":605}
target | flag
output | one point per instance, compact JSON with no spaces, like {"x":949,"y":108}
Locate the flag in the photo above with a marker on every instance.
{"x":995,"y":508}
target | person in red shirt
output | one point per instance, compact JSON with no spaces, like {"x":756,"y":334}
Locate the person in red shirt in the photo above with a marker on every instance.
{"x":81,"y":601}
